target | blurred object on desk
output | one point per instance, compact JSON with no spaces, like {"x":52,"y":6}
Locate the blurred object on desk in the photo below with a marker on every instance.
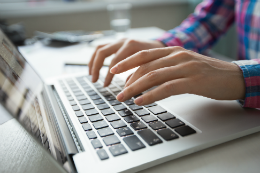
{"x":15,"y":32}
{"x":73,"y":36}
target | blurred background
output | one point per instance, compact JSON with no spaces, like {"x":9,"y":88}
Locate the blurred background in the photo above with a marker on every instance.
{"x":92,"y":15}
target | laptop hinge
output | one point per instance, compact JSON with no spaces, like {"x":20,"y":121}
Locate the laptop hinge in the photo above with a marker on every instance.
{"x":66,"y":134}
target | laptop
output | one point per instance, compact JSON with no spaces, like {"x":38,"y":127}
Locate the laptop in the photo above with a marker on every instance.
{"x":86,"y":129}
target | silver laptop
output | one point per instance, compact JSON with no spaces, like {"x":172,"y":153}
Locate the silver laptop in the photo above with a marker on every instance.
{"x":82,"y":124}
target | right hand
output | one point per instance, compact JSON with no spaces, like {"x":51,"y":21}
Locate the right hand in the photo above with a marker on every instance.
{"x":122,"y":49}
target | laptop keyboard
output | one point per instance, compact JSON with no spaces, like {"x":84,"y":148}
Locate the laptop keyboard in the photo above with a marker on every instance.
{"x":102,"y":113}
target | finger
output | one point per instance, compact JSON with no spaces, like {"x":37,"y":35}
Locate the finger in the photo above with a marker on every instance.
{"x":124,"y":51}
{"x":128,"y":77}
{"x":174,"y":87}
{"x":151,"y":79}
{"x":170,"y":60}
{"x":93,"y":57}
{"x":148,"y":67}
{"x":142,"y":57}
{"x":101,"y":54}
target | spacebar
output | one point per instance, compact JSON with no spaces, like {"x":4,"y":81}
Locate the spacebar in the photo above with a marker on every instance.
{"x":149,"y":137}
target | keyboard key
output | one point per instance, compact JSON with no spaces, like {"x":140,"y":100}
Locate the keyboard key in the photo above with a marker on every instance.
{"x":87,"y":107}
{"x":157,"y":110}
{"x":125,"y":112}
{"x":102,"y":154}
{"x":106,"y":94}
{"x":91,"y":93}
{"x":91,"y":134}
{"x":88,"y":89}
{"x":157,"y":125}
{"x":107,"y":112}
{"x":110,"y":140}
{"x":102,"y":90}
{"x":76,"y":89}
{"x":79,"y":94}
{"x":174,"y":123}
{"x":102,"y":106}
{"x":96,"y":143}
{"x":165,"y":116}
{"x":149,"y":137}
{"x":142,"y":112}
{"x":73,"y":103}
{"x":117,"y":150}
{"x":131,"y":119}
{"x":70,"y":98}
{"x":150,"y":105}
{"x":114,"y":102}
{"x":167,"y":134}
{"x":100,"y":124}
{"x":105,"y":132}
{"x":86,"y":127}
{"x":81,"y":97}
{"x":99,"y":101}
{"x":112,"y":117}
{"x":84,"y":102}
{"x":118,"y":124}
{"x":110,"y":97}
{"x":185,"y":130}
{"x":95,"y":118}
{"x":83,"y":120}
{"x":138,"y":125}
{"x":119,"y":107}
{"x":135,"y":107}
{"x":149,"y":118}
{"x":84,"y":84}
{"x":137,"y":95}
{"x":68,"y":94}
{"x":116,"y":93}
{"x":125,"y":131}
{"x":115,"y":90}
{"x":75,"y":108}
{"x":95,"y":97}
{"x":98,"y":86}
{"x":134,"y":143}
{"x":79,"y":113}
{"x":91,"y":112}
{"x":129,"y":102}
{"x":111,"y":86}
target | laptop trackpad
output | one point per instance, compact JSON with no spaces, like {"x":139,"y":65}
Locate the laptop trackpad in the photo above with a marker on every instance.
{"x":205,"y":113}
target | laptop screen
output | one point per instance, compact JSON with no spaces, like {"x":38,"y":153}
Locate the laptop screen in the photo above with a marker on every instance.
{"x":20,"y":94}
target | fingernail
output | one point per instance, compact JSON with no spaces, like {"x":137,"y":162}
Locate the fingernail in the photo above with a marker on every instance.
{"x":114,"y":69}
{"x":139,"y":100}
{"x":120,"y":96}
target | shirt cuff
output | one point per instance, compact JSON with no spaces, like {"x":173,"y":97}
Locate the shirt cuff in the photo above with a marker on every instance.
{"x":251,"y":73}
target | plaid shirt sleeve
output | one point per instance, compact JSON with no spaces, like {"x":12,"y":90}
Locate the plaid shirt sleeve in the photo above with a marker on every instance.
{"x":202,"y":28}
{"x":251,"y":73}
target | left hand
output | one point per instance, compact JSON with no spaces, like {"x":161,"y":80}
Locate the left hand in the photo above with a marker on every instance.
{"x":178,"y":71}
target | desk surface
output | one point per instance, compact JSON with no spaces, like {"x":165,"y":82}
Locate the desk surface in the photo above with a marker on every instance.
{"x":240,"y":155}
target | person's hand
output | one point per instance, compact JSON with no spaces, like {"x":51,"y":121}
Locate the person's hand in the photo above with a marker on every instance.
{"x":176,"y":70}
{"x":122,"y":49}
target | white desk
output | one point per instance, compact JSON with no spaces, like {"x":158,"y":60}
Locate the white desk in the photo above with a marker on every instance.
{"x":241,"y":155}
